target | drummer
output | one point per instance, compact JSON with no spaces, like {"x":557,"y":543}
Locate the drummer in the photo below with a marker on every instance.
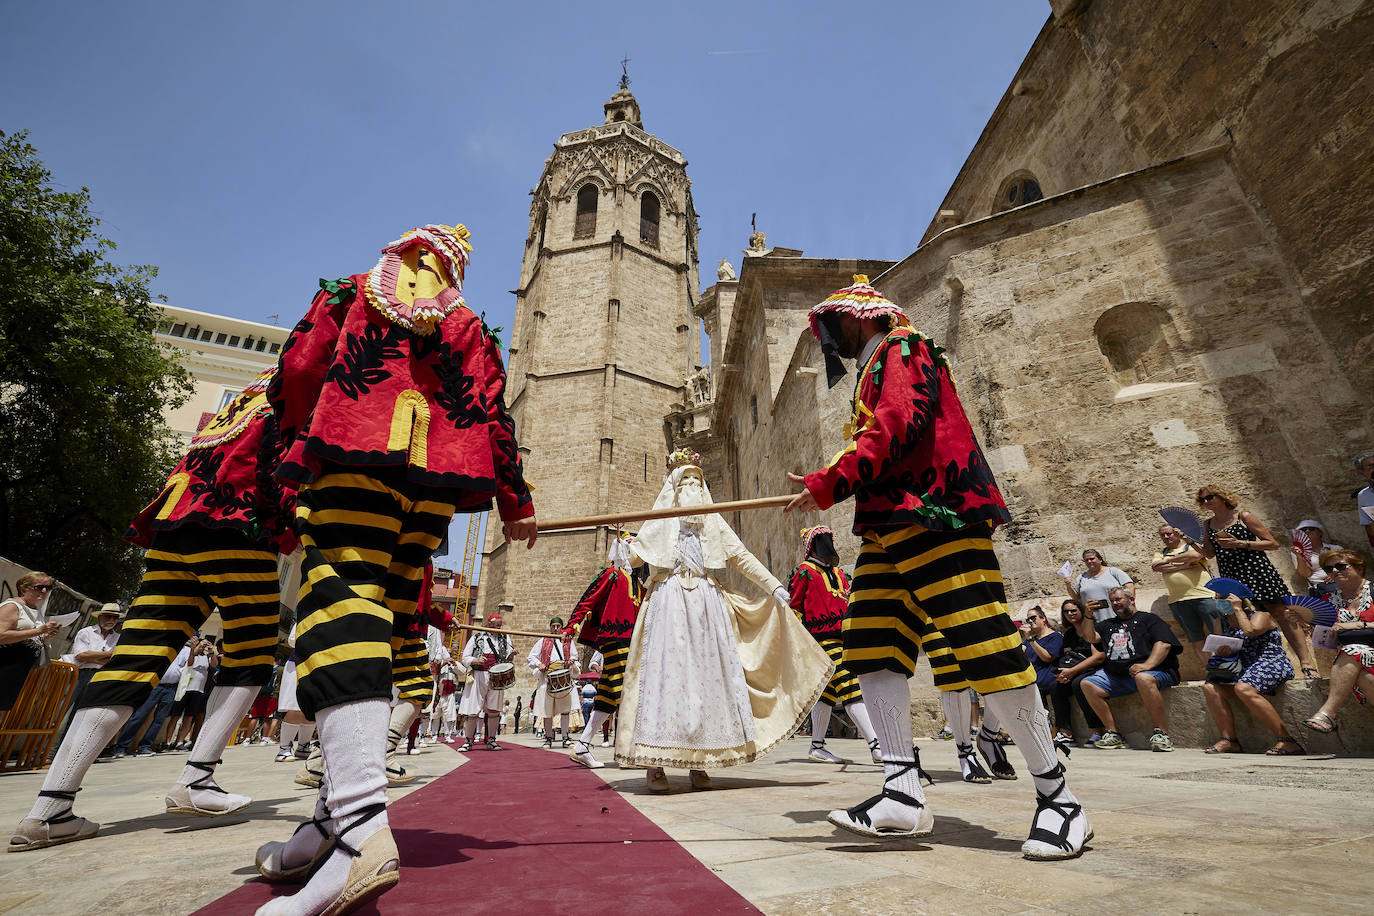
{"x":554,"y":663}
{"x":488,"y":656}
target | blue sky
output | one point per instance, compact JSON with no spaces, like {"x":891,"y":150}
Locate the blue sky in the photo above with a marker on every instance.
{"x":247,"y":149}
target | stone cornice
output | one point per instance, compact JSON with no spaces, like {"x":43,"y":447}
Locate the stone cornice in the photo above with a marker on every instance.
{"x":1047,"y":208}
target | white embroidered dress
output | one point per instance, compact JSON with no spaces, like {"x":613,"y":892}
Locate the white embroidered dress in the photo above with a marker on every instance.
{"x":713,"y":679}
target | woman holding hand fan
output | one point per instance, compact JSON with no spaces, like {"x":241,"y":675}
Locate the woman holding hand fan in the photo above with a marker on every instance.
{"x":1239,"y":541}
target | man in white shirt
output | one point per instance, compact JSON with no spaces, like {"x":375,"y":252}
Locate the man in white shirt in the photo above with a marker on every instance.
{"x":91,"y":649}
{"x":95,"y":644}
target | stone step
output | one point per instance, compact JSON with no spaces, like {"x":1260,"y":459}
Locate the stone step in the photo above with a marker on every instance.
{"x":1191,"y":725}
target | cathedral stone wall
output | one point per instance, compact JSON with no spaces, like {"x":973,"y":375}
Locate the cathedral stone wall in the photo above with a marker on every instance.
{"x":1121,"y":347}
{"x":1109,"y":88}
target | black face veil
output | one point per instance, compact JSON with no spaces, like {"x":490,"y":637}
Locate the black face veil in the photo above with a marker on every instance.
{"x":829,"y":328}
{"x":823,"y":549}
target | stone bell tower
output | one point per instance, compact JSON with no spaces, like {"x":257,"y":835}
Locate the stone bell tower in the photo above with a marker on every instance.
{"x":604,"y":338}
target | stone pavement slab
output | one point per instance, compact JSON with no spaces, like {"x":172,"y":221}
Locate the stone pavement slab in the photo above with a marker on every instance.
{"x":145,"y":862}
{"x":1176,"y":833}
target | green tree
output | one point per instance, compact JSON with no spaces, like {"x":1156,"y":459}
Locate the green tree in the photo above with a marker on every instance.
{"x":83,"y":385}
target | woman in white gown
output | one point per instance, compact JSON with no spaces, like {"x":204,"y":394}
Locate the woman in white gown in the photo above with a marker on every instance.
{"x":713,"y":679}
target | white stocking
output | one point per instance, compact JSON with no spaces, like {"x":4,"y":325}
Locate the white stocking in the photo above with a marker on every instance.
{"x":858,"y":714}
{"x":593,"y":723}
{"x":224,"y":711}
{"x":288,"y":734}
{"x":92,"y":728}
{"x":1060,"y":829}
{"x":958,"y":706}
{"x":889,"y":698}
{"x":1023,"y":716}
{"x":820,"y":721}
{"x":402,"y":715}
{"x":353,"y":737}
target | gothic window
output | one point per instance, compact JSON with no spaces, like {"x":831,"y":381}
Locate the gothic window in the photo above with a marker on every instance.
{"x":1139,"y":343}
{"x":586,"y":212}
{"x":648,"y":218}
{"x":1019,"y":189}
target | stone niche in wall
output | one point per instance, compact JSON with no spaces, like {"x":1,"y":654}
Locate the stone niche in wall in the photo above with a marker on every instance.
{"x":1143,"y":351}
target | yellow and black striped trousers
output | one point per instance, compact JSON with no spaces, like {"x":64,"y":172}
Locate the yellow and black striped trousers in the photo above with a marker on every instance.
{"x":950,"y":580}
{"x":365,"y":539}
{"x":410,"y":666}
{"x":943,"y":665}
{"x":190,"y":571}
{"x":614,"y":654}
{"x":843,"y":687}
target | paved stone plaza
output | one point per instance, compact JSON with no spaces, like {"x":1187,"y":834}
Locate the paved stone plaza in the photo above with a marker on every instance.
{"x":1176,"y":833}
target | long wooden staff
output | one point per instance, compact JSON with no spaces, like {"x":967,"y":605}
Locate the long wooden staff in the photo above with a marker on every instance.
{"x":468,"y":626}
{"x":621,"y":518}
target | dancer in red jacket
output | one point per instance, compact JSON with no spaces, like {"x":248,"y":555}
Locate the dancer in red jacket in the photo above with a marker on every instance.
{"x":820,"y":596}
{"x":212,"y":536}
{"x":606,"y":615}
{"x":390,"y":400}
{"x":925,"y":506}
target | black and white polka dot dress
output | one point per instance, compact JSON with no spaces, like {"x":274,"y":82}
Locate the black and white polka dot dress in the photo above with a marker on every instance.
{"x":1251,"y":567}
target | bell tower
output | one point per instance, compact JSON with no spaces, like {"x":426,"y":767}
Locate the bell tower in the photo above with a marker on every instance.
{"x":603,"y":341}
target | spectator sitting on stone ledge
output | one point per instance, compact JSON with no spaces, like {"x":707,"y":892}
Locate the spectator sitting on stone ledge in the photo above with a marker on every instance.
{"x":1184,"y":569}
{"x":1249,"y":675}
{"x":1353,"y":668}
{"x":1078,"y":659}
{"x":1090,"y":588}
{"x":1141,"y":657}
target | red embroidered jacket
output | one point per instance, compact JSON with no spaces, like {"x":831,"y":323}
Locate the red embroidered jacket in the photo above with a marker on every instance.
{"x":610,"y":606}
{"x":225,"y":480}
{"x":912,"y":458}
{"x":819,"y":601}
{"x":355,"y":389}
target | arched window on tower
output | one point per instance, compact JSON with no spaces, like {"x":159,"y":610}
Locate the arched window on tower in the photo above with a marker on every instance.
{"x":1018,"y":190}
{"x":586,"y":212}
{"x":648,"y":218}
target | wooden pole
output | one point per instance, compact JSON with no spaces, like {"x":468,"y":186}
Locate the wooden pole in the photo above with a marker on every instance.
{"x":592,"y":521}
{"x":468,"y":626}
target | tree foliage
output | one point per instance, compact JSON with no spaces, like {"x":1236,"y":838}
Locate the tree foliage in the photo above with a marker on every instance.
{"x":84,"y":386}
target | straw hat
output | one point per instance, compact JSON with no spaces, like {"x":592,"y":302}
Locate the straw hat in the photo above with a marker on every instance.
{"x":111,"y":607}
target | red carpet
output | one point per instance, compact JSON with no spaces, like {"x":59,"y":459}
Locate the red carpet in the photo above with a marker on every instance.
{"x":528,"y":831}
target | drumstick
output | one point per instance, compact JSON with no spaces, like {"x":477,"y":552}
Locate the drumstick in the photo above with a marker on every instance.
{"x":468,"y":626}
{"x":620,"y":518}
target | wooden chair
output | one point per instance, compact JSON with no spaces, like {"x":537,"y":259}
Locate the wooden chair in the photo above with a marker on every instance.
{"x":28,"y":730}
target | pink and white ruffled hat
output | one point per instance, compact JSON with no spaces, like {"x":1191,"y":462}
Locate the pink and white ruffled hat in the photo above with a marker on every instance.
{"x":859,"y":301}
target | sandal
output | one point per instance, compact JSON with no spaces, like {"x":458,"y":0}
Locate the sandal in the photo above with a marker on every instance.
{"x":1217,"y":748}
{"x":1310,"y":673}
{"x":1321,"y":723}
{"x":1294,"y":749}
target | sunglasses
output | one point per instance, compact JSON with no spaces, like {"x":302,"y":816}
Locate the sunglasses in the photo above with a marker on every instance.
{"x":41,"y":588}
{"x":1208,"y":498}
{"x":1335,"y":568}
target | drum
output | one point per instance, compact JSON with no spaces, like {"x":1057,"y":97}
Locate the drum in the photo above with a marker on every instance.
{"x":560,"y":681}
{"x":501,"y":676}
